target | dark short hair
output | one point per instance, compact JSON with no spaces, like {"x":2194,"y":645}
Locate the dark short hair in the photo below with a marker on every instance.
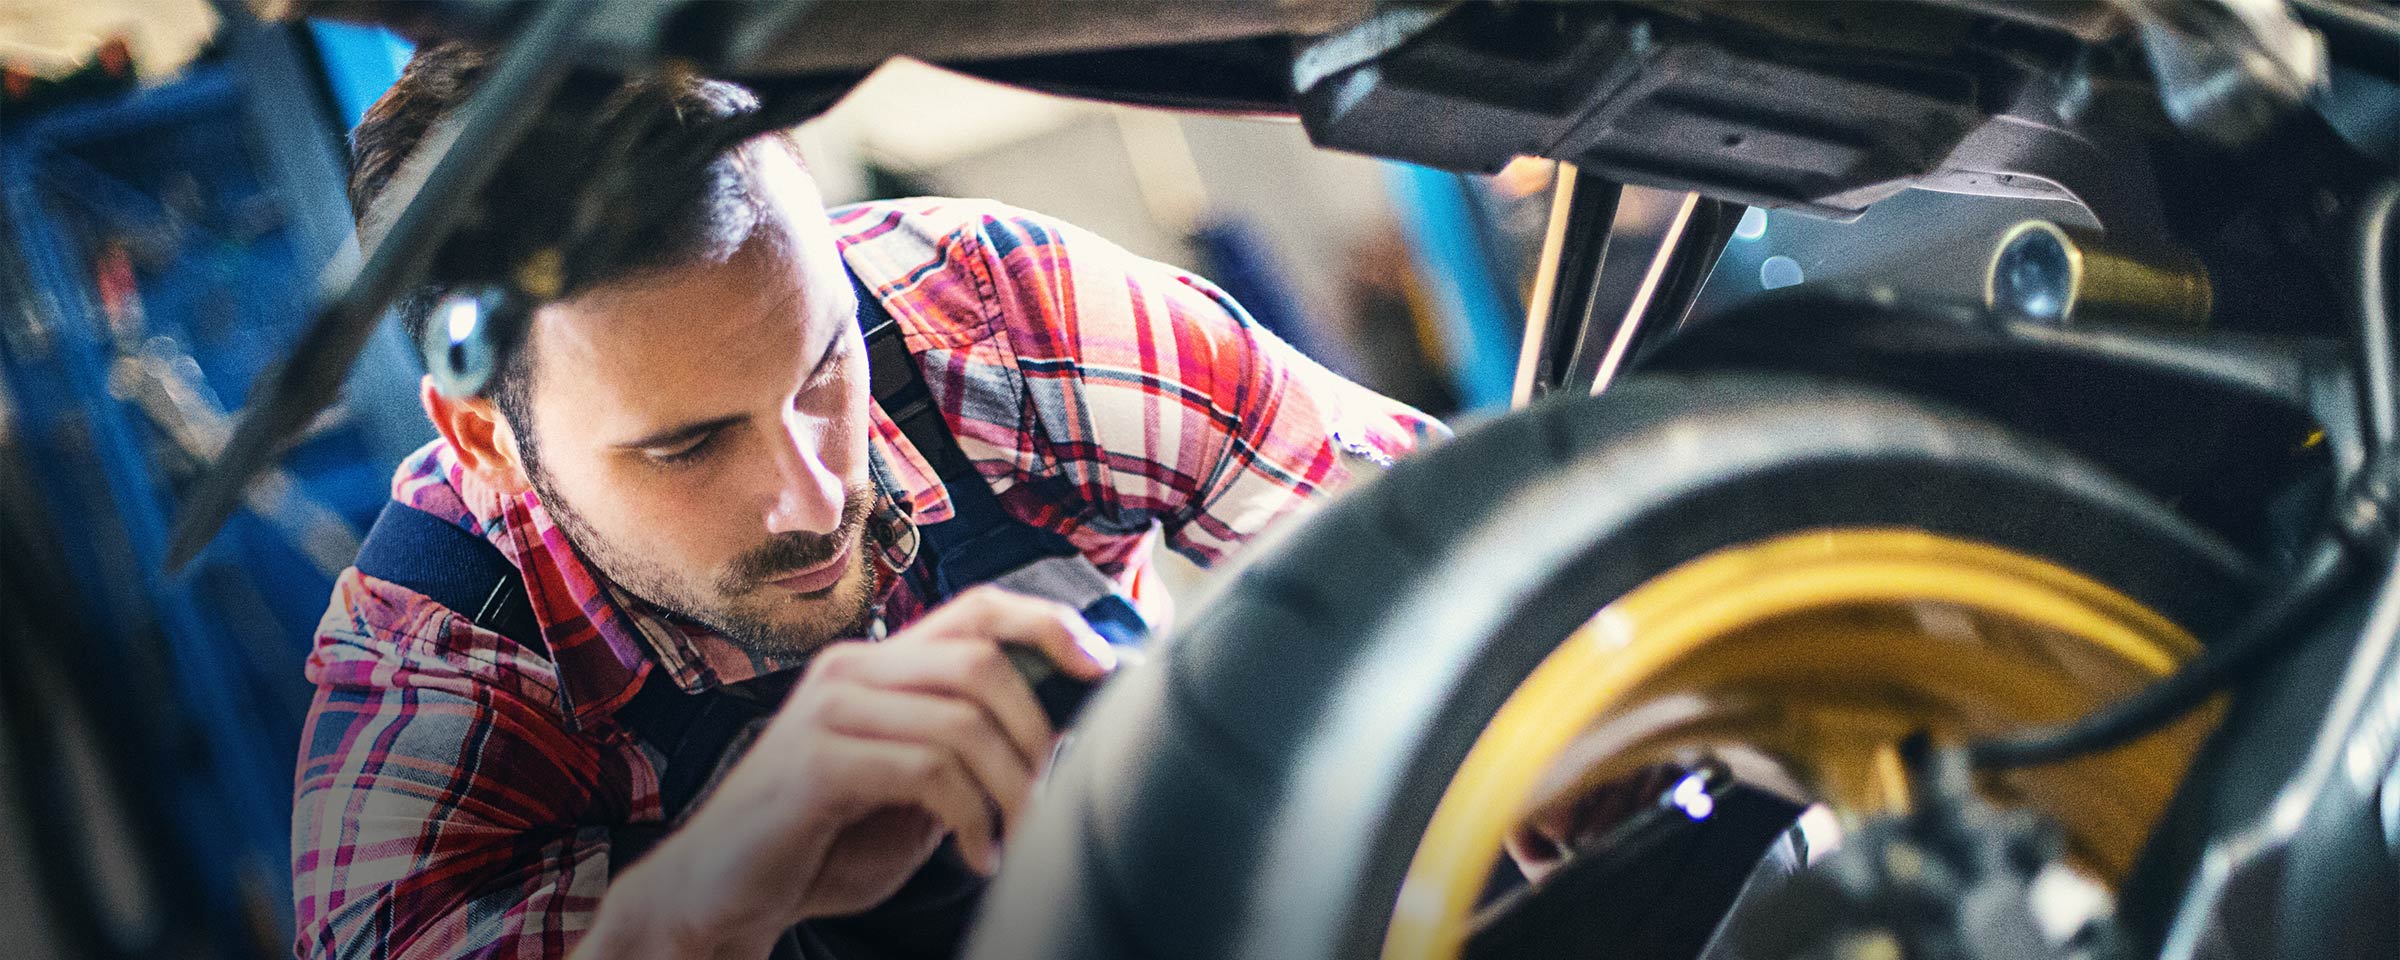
{"x":708,"y":212}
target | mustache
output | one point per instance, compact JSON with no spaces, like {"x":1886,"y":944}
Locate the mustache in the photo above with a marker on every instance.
{"x":791,"y":552}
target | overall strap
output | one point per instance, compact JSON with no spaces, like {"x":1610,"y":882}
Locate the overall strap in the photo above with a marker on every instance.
{"x":898,"y":388}
{"x":693,"y":732}
{"x":981,"y":542}
{"x":452,"y":566}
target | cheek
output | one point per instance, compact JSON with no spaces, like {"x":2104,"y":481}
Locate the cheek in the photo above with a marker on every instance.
{"x":847,"y":443}
{"x":658,"y":520}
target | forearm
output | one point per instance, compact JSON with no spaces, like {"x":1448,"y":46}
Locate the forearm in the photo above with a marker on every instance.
{"x":659,"y":908}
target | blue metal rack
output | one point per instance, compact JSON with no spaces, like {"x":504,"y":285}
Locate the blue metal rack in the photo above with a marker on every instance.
{"x":1481,"y":318}
{"x":171,"y":238}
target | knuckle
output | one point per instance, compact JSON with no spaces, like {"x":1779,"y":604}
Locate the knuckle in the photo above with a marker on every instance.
{"x":821,"y":708}
{"x":1001,"y":601}
{"x":1064,"y":619}
{"x":1036,"y":608}
{"x":836,"y":660}
{"x":916,"y":766}
{"x":985,"y":666}
{"x":958,"y":722}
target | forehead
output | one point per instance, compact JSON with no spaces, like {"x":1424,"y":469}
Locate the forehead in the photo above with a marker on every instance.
{"x":663,"y":315}
{"x":680,"y":344}
{"x":652,"y":346}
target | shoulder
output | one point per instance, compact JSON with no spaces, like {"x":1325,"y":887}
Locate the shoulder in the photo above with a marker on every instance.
{"x":1033,"y":290}
{"x":879,"y":230}
{"x":378,"y":636}
{"x":439,"y":719}
{"x":959,"y":271}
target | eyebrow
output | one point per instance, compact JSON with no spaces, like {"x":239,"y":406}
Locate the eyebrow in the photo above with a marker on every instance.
{"x":675,"y":435}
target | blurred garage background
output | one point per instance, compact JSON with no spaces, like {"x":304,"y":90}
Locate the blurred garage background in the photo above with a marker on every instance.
{"x":160,"y":236}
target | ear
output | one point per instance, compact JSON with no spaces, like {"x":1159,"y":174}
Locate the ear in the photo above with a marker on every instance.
{"x":479,"y":435}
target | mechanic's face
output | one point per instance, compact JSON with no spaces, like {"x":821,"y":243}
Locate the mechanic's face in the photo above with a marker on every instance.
{"x":701,"y":434}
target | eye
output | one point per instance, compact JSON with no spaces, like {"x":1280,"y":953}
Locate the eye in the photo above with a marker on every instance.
{"x":827,"y":367}
{"x":688,"y":454}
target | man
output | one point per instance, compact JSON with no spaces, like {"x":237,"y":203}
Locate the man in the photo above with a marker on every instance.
{"x":685,"y":467}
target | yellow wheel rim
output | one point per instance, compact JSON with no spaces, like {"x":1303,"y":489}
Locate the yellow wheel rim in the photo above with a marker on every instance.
{"x":1817,"y":651}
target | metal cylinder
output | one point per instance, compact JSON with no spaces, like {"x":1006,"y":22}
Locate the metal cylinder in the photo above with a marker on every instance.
{"x":2041,"y":271}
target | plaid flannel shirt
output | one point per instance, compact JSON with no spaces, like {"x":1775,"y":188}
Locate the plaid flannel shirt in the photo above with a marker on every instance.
{"x":455,"y":790}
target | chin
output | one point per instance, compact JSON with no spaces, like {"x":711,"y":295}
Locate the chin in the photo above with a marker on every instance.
{"x":840,"y":612}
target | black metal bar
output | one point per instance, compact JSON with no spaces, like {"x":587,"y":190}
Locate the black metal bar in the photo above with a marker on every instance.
{"x":2377,"y":376}
{"x":1581,"y":209}
{"x":1659,"y":246}
{"x":1704,"y":240}
{"x":490,"y":124}
{"x":1620,"y":266}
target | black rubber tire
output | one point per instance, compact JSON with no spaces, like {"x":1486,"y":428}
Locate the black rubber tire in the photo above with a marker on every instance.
{"x":1259,"y":789}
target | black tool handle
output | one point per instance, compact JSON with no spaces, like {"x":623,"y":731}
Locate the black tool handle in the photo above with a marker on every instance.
{"x":1062,"y":696}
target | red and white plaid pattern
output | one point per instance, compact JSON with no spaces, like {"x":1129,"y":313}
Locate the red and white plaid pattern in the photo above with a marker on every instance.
{"x":455,"y":789}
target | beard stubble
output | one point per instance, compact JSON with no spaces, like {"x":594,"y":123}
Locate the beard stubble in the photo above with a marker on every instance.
{"x":845,"y":611}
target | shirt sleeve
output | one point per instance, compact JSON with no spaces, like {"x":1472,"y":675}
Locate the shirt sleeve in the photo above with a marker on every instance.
{"x":1157,"y":397}
{"x":437,"y":816}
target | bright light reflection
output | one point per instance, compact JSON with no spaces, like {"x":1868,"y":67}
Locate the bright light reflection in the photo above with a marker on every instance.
{"x":1753,"y":225}
{"x":1692,"y":795}
{"x":1779,"y":272}
{"x":462,"y":319}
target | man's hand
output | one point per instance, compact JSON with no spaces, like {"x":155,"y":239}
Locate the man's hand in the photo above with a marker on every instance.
{"x":882,"y":749}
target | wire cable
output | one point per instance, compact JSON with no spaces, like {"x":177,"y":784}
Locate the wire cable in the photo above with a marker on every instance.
{"x":2364,"y":524}
{"x":2323,"y":573}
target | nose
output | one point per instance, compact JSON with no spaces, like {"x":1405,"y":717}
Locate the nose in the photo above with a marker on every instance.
{"x":809,"y":493}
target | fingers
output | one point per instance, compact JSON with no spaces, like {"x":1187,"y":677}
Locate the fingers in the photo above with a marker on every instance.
{"x":976,"y":673}
{"x":1057,"y":631}
{"x":1000,"y":770}
{"x":936,"y":717}
{"x":881,"y":773}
